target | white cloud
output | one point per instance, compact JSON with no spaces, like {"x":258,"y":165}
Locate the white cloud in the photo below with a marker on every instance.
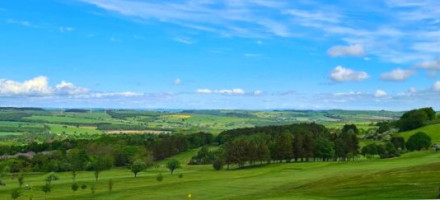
{"x":204,"y":91}
{"x":380,"y":93}
{"x":314,"y":16}
{"x":397,"y":75}
{"x":66,"y":88}
{"x":66,"y":29}
{"x":37,"y":86}
{"x":40,"y":87}
{"x":23,"y":23}
{"x":350,"y":50}
{"x":436,"y":86}
{"x":183,"y":40}
{"x":177,"y":81}
{"x":235,"y":91}
{"x":341,"y":74}
{"x":258,"y":92}
{"x":252,"y":55}
{"x":114,"y":94}
{"x":429,"y":65}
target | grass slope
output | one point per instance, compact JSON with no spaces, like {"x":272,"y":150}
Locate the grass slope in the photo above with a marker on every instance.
{"x":432,"y":130}
{"x":412,"y":176}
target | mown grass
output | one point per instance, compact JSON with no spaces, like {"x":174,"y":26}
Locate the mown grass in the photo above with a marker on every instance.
{"x":412,"y":176}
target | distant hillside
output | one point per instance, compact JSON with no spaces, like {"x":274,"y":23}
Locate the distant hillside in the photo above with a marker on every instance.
{"x":432,"y":130}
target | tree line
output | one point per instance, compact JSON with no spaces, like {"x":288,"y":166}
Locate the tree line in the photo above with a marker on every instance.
{"x":297,"y":142}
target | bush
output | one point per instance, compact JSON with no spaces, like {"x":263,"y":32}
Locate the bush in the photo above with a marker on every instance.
{"x":75,"y":187}
{"x":218,"y":164}
{"x":180,"y":175}
{"x":159,"y":178}
{"x":418,"y":142}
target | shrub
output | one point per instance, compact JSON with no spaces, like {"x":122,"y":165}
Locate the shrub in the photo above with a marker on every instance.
{"x":218,"y":164}
{"x":159,"y":177}
{"x":418,"y":142}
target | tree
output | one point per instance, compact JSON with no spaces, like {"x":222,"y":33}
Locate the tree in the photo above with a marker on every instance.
{"x":348,"y":127}
{"x":159,"y":177}
{"x":20,"y":179}
{"x":16,"y":194}
{"x":414,"y":119}
{"x":46,"y":189}
{"x":77,"y":159}
{"x":173,"y":165}
{"x":74,"y":187}
{"x":283,"y":146}
{"x":93,"y":190}
{"x":324,"y":149}
{"x":110,"y":185}
{"x":398,"y":142}
{"x":308,"y":146}
{"x":429,"y":112}
{"x":370,"y":149}
{"x":100,"y":163}
{"x":390,"y":149}
{"x":298,"y":147}
{"x":137,"y":167}
{"x":218,"y":164}
{"x":418,"y":141}
{"x":50,"y":178}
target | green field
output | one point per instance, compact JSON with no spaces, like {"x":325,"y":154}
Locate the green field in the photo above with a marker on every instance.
{"x":412,"y":176}
{"x":432,"y":130}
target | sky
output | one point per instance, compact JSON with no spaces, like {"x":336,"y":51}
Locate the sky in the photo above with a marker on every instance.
{"x":225,"y":54}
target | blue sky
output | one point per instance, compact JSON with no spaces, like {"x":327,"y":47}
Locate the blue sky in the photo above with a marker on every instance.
{"x":232,"y":54}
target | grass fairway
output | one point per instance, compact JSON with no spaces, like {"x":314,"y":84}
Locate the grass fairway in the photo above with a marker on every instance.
{"x":412,"y":176}
{"x":432,"y":130}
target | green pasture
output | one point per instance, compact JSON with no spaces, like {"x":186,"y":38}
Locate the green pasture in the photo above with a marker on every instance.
{"x":432,"y":130}
{"x":411,"y":176}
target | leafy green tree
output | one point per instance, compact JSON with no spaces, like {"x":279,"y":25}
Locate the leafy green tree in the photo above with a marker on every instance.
{"x":298,"y":147}
{"x":398,"y":142}
{"x":429,"y":112}
{"x":370,"y":149}
{"x":418,"y":141}
{"x":218,"y":164}
{"x":308,"y":146}
{"x":78,"y":159}
{"x":83,"y":186}
{"x":390,"y":149}
{"x":74,"y":187}
{"x":173,"y":165}
{"x":352,"y":127}
{"x":110,"y":185}
{"x":20,"y":179}
{"x":93,"y":189}
{"x":413,"y":119}
{"x":324,"y":149}
{"x":137,"y":166}
{"x":46,"y":189}
{"x":283,"y":146}
{"x":100,"y":163}
{"x":159,"y":177}
{"x":51,"y":177}
{"x":16,"y":194}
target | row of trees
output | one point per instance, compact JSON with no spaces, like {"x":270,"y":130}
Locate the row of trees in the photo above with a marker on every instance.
{"x":103,"y":153}
{"x":297,"y":142}
{"x":397,"y":145}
